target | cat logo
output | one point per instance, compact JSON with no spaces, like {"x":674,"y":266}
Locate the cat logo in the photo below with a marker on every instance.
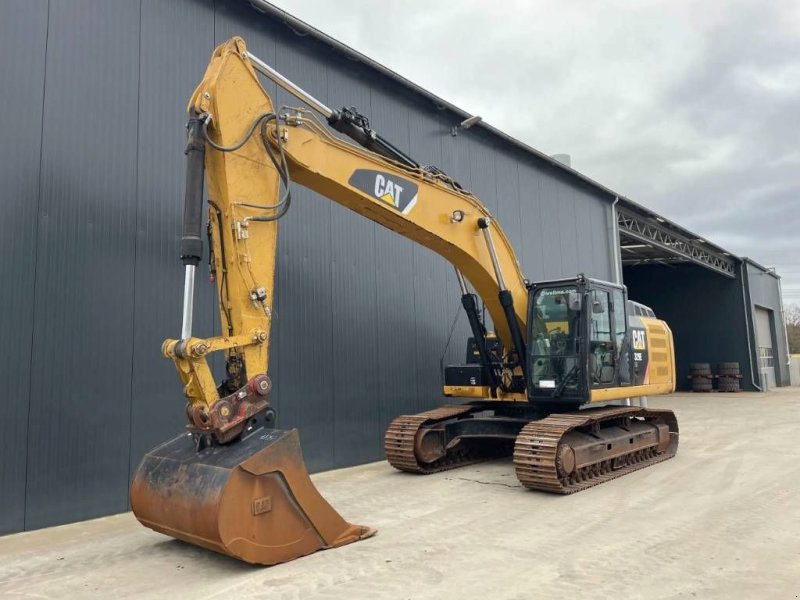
{"x":387,"y":190}
{"x":398,"y":193}
{"x":638,"y":339}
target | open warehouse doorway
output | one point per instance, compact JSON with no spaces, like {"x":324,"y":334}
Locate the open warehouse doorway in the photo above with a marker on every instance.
{"x":721,"y":308}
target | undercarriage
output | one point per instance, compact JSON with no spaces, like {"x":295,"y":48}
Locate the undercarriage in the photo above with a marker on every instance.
{"x":560,"y":453}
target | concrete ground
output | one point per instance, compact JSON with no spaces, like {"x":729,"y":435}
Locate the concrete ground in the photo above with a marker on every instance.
{"x":721,"y":520}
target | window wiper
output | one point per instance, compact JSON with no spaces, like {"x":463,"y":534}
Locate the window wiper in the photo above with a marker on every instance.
{"x":560,"y":389}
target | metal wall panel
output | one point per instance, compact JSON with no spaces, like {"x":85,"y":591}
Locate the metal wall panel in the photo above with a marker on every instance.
{"x":361,"y":314}
{"x":353,"y":310}
{"x":79,"y":433}
{"x":482,"y":169}
{"x":595,"y":232}
{"x":433,"y":276}
{"x":167,"y":79}
{"x":508,"y":211}
{"x":303,"y":297}
{"x":23,"y":40}
{"x":586,"y":256}
{"x":553,"y":264}
{"x":394,"y":259}
{"x":532,"y":225}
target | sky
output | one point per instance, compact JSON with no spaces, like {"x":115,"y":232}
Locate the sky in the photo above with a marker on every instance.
{"x":689,"y":108}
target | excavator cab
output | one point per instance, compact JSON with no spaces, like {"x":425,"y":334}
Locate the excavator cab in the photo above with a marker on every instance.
{"x":577,"y":340}
{"x":587,"y":344}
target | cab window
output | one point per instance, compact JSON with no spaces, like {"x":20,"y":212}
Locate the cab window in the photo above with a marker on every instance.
{"x":554,"y":356}
{"x":619,"y":319}
{"x":602,"y":359}
{"x":623,"y":350}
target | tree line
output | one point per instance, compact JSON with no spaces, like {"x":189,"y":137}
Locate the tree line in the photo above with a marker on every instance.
{"x":793,"y":327}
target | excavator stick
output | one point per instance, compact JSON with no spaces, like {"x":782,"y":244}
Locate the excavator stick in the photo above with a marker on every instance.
{"x":252,"y":500}
{"x":231,"y":483}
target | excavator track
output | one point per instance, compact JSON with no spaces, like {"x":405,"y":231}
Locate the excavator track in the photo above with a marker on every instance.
{"x":540,"y":449}
{"x":401,"y":437}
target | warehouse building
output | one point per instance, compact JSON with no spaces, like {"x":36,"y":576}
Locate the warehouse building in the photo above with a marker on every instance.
{"x":92,"y":173}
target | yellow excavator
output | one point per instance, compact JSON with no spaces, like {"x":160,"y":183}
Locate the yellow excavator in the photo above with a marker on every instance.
{"x":551,"y":385}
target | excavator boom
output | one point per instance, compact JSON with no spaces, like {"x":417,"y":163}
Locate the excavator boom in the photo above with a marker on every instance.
{"x":232,"y":483}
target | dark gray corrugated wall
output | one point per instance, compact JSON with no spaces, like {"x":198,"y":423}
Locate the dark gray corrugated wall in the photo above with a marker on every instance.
{"x":23,"y":34}
{"x":92,"y":172}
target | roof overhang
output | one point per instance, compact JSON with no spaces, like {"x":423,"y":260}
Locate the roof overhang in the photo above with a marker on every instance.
{"x":650,"y":239}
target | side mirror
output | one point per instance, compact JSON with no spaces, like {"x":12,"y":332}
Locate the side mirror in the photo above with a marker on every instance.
{"x":574,"y":302}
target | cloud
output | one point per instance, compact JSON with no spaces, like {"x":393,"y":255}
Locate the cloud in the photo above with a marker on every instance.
{"x":688,"y":108}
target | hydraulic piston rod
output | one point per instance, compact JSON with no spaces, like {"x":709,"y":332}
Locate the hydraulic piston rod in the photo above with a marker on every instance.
{"x":346,"y":121}
{"x":188,"y":302}
{"x":484,"y":225}
{"x":478,"y":332}
{"x":505,"y":297}
{"x":289,"y":86}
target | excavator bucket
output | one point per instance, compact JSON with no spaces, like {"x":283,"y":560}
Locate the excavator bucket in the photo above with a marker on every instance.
{"x":252,"y":499}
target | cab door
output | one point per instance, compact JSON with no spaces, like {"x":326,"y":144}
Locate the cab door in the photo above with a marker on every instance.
{"x":619,"y":320}
{"x":556,"y":343}
{"x":609,"y":350}
{"x":603,"y":358}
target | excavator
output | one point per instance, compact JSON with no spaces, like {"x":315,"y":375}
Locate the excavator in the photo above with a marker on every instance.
{"x":552,"y":383}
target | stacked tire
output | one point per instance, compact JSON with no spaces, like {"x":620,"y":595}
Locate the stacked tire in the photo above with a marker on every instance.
{"x":702,"y":379}
{"x":728,"y":376}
